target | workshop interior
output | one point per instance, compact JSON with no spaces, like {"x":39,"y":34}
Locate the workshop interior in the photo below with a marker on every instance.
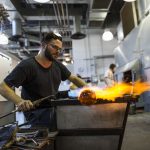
{"x":95,"y":34}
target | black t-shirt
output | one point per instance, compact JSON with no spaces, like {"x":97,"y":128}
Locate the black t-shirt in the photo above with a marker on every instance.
{"x":36,"y":81}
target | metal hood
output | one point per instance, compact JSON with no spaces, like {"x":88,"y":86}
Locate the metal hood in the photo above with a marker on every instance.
{"x":132,"y":65}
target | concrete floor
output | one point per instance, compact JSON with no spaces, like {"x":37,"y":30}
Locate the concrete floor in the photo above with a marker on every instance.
{"x":137,"y":133}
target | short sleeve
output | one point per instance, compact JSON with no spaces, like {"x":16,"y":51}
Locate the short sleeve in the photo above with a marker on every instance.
{"x":19,"y":75}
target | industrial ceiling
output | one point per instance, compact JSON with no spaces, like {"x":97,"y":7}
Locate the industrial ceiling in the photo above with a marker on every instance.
{"x":66,"y":16}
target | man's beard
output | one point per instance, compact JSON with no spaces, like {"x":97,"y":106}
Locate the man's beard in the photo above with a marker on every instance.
{"x":48,"y":54}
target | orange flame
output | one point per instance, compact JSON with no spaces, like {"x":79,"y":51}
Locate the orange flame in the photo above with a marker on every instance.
{"x":89,"y":95}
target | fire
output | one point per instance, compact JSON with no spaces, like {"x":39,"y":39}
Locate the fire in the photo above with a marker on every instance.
{"x":89,"y":95}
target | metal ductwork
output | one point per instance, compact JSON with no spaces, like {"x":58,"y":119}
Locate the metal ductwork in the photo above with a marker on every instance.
{"x":16,"y":27}
{"x":26,"y":42}
{"x":16,"y":30}
{"x":78,"y":35}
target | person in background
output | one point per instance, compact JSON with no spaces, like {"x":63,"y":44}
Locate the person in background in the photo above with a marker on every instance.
{"x":39,"y":76}
{"x":109,"y":75}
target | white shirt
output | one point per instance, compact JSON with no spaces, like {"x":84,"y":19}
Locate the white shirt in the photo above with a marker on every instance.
{"x":109,"y":77}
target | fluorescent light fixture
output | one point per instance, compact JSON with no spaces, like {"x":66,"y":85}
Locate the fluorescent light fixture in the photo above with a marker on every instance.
{"x":107,"y":35}
{"x":66,"y":54}
{"x":129,"y":0}
{"x":98,"y":16}
{"x":3,"y":39}
{"x":41,"y":1}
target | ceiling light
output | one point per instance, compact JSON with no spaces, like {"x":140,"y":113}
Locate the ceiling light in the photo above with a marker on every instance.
{"x":64,"y":63}
{"x":3,"y":39}
{"x":41,"y":1}
{"x":58,"y":34}
{"x":71,"y":61}
{"x":129,"y":0}
{"x":67,"y":59}
{"x":66,"y":54}
{"x":107,"y":35}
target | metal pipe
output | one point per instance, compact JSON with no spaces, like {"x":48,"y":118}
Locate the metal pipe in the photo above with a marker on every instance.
{"x":59,"y":17}
{"x":63,"y":14}
{"x":35,"y":103}
{"x":40,"y":30}
{"x":67,"y":14}
{"x":13,"y":111}
{"x":56,"y":14}
{"x":16,"y":27}
{"x":77,"y":23}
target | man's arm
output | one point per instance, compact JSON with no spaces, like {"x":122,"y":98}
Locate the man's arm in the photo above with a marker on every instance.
{"x":77,"y":81}
{"x":9,"y":94}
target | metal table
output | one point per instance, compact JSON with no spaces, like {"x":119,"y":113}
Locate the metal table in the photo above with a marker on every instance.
{"x":97,"y":127}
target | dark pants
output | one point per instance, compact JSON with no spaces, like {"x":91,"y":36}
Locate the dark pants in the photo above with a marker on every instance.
{"x":45,"y":117}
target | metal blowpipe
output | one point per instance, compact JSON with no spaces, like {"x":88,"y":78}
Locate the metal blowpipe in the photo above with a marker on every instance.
{"x":35,"y":103}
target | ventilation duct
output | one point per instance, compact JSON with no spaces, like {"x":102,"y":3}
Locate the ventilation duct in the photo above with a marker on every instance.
{"x":26,"y":42}
{"x":78,"y":35}
{"x":16,"y":30}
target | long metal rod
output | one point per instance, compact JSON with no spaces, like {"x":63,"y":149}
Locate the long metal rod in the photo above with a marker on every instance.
{"x":35,"y":103}
{"x":13,"y":111}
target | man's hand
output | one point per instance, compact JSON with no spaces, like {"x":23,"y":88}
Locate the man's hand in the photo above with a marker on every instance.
{"x":25,"y":105}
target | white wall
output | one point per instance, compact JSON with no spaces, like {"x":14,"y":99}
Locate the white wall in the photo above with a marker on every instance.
{"x":84,"y":51}
{"x":5,"y":67}
{"x":7,"y":63}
